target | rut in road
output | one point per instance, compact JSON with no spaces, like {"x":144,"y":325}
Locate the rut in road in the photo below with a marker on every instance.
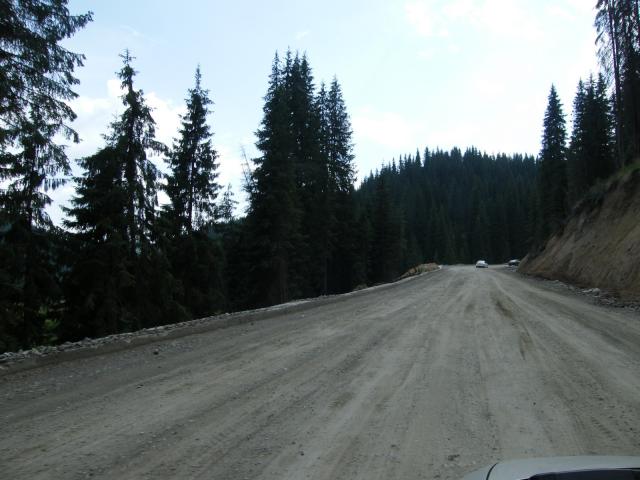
{"x":428,"y":378}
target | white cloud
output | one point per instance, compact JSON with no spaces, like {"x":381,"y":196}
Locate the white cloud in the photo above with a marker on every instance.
{"x":114,"y":88}
{"x":387,"y":129}
{"x":426,"y":21}
{"x":501,"y":18}
{"x":94,"y":115}
{"x":167,"y":117}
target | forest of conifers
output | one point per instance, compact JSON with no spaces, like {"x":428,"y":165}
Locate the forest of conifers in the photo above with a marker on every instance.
{"x":121,"y":262}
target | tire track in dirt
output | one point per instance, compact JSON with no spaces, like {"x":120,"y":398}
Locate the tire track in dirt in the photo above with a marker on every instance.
{"x":429,"y":378}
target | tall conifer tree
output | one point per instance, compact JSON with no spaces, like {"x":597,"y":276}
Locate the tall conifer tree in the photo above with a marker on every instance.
{"x":618,"y":26}
{"x":36,"y":81}
{"x":576,"y":154}
{"x":591,"y":150}
{"x":191,"y":185}
{"x":132,"y":137}
{"x":97,"y":286}
{"x":196,"y":256}
{"x":338,"y":149}
{"x":273,"y":218}
{"x":552,"y":179}
{"x":114,"y":213}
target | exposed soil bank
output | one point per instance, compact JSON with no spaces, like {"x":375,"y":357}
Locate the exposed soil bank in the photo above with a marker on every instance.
{"x":600,"y":245}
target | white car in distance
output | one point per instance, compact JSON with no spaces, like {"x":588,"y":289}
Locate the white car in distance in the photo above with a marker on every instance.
{"x":482,"y":264}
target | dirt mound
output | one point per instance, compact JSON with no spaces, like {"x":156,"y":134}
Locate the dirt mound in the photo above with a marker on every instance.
{"x":417,"y":270}
{"x":599,"y":246}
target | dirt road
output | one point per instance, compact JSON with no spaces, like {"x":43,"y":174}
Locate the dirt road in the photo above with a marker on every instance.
{"x":429,"y":378}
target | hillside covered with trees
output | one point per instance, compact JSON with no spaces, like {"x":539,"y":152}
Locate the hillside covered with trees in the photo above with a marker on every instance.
{"x":122,"y":262}
{"x":605,"y":134}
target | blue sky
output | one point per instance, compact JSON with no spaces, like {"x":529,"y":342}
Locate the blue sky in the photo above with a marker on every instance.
{"x":414,"y":73}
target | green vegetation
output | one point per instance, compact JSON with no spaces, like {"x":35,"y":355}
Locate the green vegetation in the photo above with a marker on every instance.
{"x":36,"y":81}
{"x":122,"y":262}
{"x":606,"y":130}
{"x":447,"y":207}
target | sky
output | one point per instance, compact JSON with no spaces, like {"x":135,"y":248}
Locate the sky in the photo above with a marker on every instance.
{"x":414,"y":73}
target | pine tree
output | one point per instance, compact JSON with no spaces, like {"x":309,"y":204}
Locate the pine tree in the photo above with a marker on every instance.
{"x":577,"y":154}
{"x":453,"y":207}
{"x":97,"y":285}
{"x":36,"y":81}
{"x":590,"y":155}
{"x":387,"y":235}
{"x":310,"y":259}
{"x":601,"y":132}
{"x":114,"y":215}
{"x":195,"y":250}
{"x":191,"y":185}
{"x":273,"y":218}
{"x":338,"y":196}
{"x":132,"y":137}
{"x":36,"y":71}
{"x":618,"y":26}
{"x":339,"y":140}
{"x":552,"y":180}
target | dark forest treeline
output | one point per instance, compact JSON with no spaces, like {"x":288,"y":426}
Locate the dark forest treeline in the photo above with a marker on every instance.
{"x":605,"y":134}
{"x":299,"y":191}
{"x":448,"y":207}
{"x":618,"y":25}
{"x":122,"y":262}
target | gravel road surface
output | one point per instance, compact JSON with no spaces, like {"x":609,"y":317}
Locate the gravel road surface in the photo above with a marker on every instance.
{"x":429,"y":378}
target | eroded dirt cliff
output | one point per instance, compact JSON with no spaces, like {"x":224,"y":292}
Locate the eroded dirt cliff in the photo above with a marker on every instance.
{"x":600,"y":244}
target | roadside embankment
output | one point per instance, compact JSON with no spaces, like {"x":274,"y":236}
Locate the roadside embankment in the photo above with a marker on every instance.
{"x":46,"y":354}
{"x":599,"y":246}
{"x":419,"y":269}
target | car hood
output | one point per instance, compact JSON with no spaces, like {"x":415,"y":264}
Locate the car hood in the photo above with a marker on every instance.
{"x":525,"y":468}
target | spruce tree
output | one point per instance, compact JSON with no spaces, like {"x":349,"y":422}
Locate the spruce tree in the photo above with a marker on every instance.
{"x":602,"y":132}
{"x":577,"y":154}
{"x":311,"y":257}
{"x":618,"y":26}
{"x":339,"y":140}
{"x":114,"y":215}
{"x":454,"y":207}
{"x":195,"y":251}
{"x":591,"y":154}
{"x":552,"y":179}
{"x":36,"y":71}
{"x":36,"y":81}
{"x":339,"y":211}
{"x":97,"y":285}
{"x":273,"y":217}
{"x":132,"y":136}
{"x":191,"y":185}
{"x":386,"y":250}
